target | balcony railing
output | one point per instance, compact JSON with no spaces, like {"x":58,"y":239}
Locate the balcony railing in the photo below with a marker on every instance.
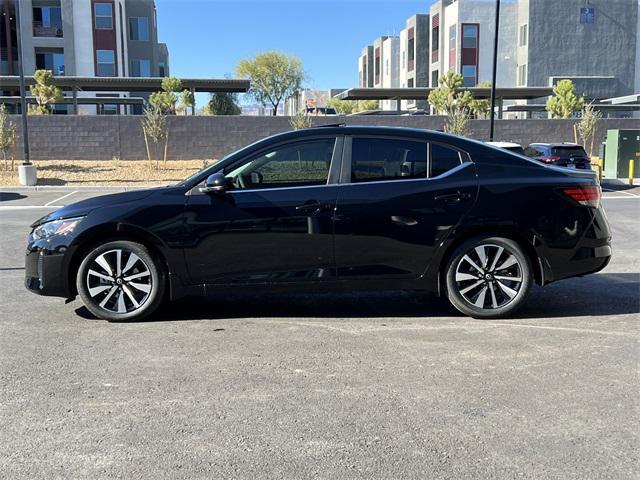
{"x":40,"y":30}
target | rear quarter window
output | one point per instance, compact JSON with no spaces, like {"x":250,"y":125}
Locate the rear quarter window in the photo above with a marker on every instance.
{"x":443,"y":159}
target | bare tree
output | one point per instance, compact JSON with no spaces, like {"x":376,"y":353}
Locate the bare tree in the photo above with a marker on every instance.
{"x":154,"y":127}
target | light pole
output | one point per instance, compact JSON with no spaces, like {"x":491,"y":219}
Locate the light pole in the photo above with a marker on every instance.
{"x":23,"y":98}
{"x":492,"y":113}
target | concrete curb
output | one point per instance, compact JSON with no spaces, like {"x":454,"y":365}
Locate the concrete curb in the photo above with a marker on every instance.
{"x":62,"y":188}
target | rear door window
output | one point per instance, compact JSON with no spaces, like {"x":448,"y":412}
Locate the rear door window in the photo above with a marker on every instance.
{"x":376,"y":159}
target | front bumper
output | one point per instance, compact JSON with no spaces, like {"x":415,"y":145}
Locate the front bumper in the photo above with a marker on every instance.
{"x":46,"y":273}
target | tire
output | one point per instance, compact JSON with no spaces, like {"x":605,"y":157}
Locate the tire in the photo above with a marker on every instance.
{"x":120,"y":281}
{"x":488,"y":277}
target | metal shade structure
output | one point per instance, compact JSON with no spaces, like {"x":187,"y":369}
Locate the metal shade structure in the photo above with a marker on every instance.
{"x":132,"y":84}
{"x":421,"y":93}
{"x":81,"y":100}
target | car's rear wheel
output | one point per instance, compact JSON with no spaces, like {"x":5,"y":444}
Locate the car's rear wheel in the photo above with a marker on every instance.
{"x":121,"y":280}
{"x":488,"y":277}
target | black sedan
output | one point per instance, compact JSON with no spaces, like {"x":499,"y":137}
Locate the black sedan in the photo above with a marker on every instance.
{"x":331,"y":208}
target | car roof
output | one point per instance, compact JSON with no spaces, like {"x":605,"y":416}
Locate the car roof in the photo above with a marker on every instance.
{"x":557,"y":144}
{"x":503,"y":144}
{"x":342,"y":129}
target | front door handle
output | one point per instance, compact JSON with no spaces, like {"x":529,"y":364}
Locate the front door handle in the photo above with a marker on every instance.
{"x":454,"y":197}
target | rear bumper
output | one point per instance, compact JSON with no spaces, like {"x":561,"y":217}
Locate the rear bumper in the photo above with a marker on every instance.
{"x":590,"y":253}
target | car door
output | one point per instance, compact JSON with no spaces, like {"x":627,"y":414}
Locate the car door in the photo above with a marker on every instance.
{"x":273,"y":223}
{"x":399,"y":199}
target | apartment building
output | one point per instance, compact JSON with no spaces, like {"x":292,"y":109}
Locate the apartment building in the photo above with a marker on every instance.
{"x":414,"y":52}
{"x":386,"y":66}
{"x":110,"y":38}
{"x":365,"y":67}
{"x":595,"y":43}
{"x":462,"y":35}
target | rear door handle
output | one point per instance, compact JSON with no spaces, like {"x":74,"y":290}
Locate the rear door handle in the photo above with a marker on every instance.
{"x":404,"y":221}
{"x":453,"y":197}
{"x":312,"y":206}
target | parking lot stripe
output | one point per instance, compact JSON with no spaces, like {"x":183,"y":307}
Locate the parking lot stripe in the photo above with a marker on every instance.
{"x":28,"y":207}
{"x":58,"y":199}
{"x":563,"y":329}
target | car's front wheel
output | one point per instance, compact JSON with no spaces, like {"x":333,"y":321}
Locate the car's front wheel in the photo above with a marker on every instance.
{"x":120,"y":280}
{"x":488,"y":277}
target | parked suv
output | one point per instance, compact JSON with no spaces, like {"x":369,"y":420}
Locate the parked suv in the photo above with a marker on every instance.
{"x":568,"y":155}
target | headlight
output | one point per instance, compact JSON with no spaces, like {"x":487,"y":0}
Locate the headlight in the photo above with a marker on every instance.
{"x":56,"y":227}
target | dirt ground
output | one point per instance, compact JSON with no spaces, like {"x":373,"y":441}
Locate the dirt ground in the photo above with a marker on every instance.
{"x":106,"y":172}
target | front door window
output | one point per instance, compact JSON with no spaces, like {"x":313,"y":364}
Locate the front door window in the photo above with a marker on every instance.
{"x":299,"y":164}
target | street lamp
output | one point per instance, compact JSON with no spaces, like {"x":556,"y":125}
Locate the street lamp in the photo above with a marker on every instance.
{"x":492,"y":113}
{"x":23,"y":97}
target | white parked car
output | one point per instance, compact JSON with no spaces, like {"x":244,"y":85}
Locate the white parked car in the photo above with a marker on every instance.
{"x":512,"y":147}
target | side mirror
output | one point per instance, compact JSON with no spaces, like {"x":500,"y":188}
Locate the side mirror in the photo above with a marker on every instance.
{"x":215,"y":183}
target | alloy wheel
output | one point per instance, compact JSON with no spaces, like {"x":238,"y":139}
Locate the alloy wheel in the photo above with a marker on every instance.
{"x":119,"y":281}
{"x":489,"y":276}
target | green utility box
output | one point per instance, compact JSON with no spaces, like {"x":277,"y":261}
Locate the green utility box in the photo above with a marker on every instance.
{"x":622,"y":146}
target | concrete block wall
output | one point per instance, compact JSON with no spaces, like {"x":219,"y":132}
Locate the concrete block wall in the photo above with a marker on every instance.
{"x":80,"y":137}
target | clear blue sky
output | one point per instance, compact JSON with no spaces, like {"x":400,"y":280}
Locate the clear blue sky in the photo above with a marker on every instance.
{"x":207,"y":38}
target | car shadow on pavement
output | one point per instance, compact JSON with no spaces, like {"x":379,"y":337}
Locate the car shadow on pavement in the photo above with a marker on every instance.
{"x":594,"y":295}
{"x":9,"y":196}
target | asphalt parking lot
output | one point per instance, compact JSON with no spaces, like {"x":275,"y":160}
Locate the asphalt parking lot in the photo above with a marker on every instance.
{"x":393,"y":385}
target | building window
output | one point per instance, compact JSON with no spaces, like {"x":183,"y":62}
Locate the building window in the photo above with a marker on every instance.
{"x":53,"y":61}
{"x":162,"y":70}
{"x":106,"y":63}
{"x":522,"y":75}
{"x":139,"y":29}
{"x":434,"y":78}
{"x":452,"y":48}
{"x":435,"y":40}
{"x":587,"y":15}
{"x":523,"y":36}
{"x":47,"y":22}
{"x":469,"y":75}
{"x":410,"y":83}
{"x":108,"y":109}
{"x":103,"y":16}
{"x":470,"y":36}
{"x":140,"y":68}
{"x":412,"y":49}
{"x":376,"y":66}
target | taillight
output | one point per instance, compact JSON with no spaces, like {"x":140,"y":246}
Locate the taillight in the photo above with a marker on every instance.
{"x":550,"y":159}
{"x":587,"y":196}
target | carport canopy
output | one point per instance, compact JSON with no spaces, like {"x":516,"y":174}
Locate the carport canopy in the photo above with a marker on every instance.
{"x":131,"y":84}
{"x":421,"y":93}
